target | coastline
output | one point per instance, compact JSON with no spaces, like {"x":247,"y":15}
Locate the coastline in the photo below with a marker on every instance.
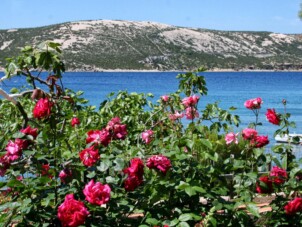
{"x":180,"y":70}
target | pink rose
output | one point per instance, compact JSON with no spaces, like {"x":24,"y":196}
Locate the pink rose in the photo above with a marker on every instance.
{"x":231,"y":138}
{"x":98,"y":137}
{"x":253,"y":103}
{"x":249,"y":133}
{"x":265,"y":185}
{"x":89,"y":156}
{"x":75,"y":121}
{"x":191,"y":113}
{"x":97,"y":193}
{"x":72,"y":212}
{"x":272,"y":116}
{"x":65,"y":175}
{"x":279,"y":175}
{"x":160,"y":162}
{"x":294,"y":206}
{"x":165,"y":98}
{"x":259,"y":141}
{"x":42,"y":108}
{"x":147,"y":136}
{"x":14,"y":149}
{"x":116,"y":129}
{"x":30,"y":131}
{"x":176,"y":116}
{"x":190,"y":101}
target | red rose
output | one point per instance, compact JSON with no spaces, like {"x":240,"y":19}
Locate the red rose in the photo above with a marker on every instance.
{"x":98,"y":137}
{"x":75,"y":121}
{"x":265,"y":185}
{"x":45,"y":170}
{"x":272,"y":116}
{"x":135,"y":174}
{"x":253,"y":103}
{"x":89,"y":156}
{"x":260,"y":141}
{"x":136,"y":167}
{"x":97,"y":193}
{"x":132,"y":182}
{"x":160,"y":162}
{"x":42,"y":108}
{"x":249,"y":133}
{"x":293,"y":206}
{"x":30,"y":131}
{"x":72,"y":212}
{"x":278,"y":175}
{"x":117,"y":130}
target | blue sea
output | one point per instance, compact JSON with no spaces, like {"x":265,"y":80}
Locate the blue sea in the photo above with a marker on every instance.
{"x":228,"y":88}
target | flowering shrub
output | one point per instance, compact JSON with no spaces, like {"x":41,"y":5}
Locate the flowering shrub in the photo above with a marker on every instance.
{"x":134,"y":162}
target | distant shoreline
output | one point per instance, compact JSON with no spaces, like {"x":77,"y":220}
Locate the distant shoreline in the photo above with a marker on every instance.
{"x":155,"y":70}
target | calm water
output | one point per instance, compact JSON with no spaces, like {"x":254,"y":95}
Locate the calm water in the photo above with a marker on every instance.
{"x":229,"y":88}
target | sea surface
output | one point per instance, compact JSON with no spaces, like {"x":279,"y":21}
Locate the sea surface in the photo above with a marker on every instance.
{"x":228,"y":88}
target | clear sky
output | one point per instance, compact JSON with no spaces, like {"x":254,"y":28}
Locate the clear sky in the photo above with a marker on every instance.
{"x":240,"y":15}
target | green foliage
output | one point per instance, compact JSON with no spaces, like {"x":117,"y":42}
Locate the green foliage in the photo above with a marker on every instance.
{"x":208,"y":183}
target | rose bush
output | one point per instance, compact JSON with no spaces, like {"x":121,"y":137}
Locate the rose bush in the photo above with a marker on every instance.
{"x":134,"y":161}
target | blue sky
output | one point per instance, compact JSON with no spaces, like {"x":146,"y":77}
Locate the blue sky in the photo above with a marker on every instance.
{"x":240,"y":15}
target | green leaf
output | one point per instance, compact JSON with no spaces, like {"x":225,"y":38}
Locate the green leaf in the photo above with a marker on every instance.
{"x":104,"y":165}
{"x":173,"y":222}
{"x":46,"y":201}
{"x":182,"y":185}
{"x":119,"y":164}
{"x":190,"y":191}
{"x":44,"y":180}
{"x":276,"y":160}
{"x":111,"y":180}
{"x":15,"y":184}
{"x":6,"y":206}
{"x":18,"y":135}
{"x":199,"y":189}
{"x":206,"y":143}
{"x":14,"y":90}
{"x":185,"y":217}
{"x":183,"y":224}
{"x":284,"y":162}
{"x":152,"y":221}
{"x":91,"y":174}
{"x":253,"y":209}
{"x":189,"y":143}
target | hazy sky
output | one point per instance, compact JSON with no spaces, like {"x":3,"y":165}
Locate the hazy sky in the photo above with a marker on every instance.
{"x":244,"y":15}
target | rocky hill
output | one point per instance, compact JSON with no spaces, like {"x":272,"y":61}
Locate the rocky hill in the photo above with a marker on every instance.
{"x":106,"y":44}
